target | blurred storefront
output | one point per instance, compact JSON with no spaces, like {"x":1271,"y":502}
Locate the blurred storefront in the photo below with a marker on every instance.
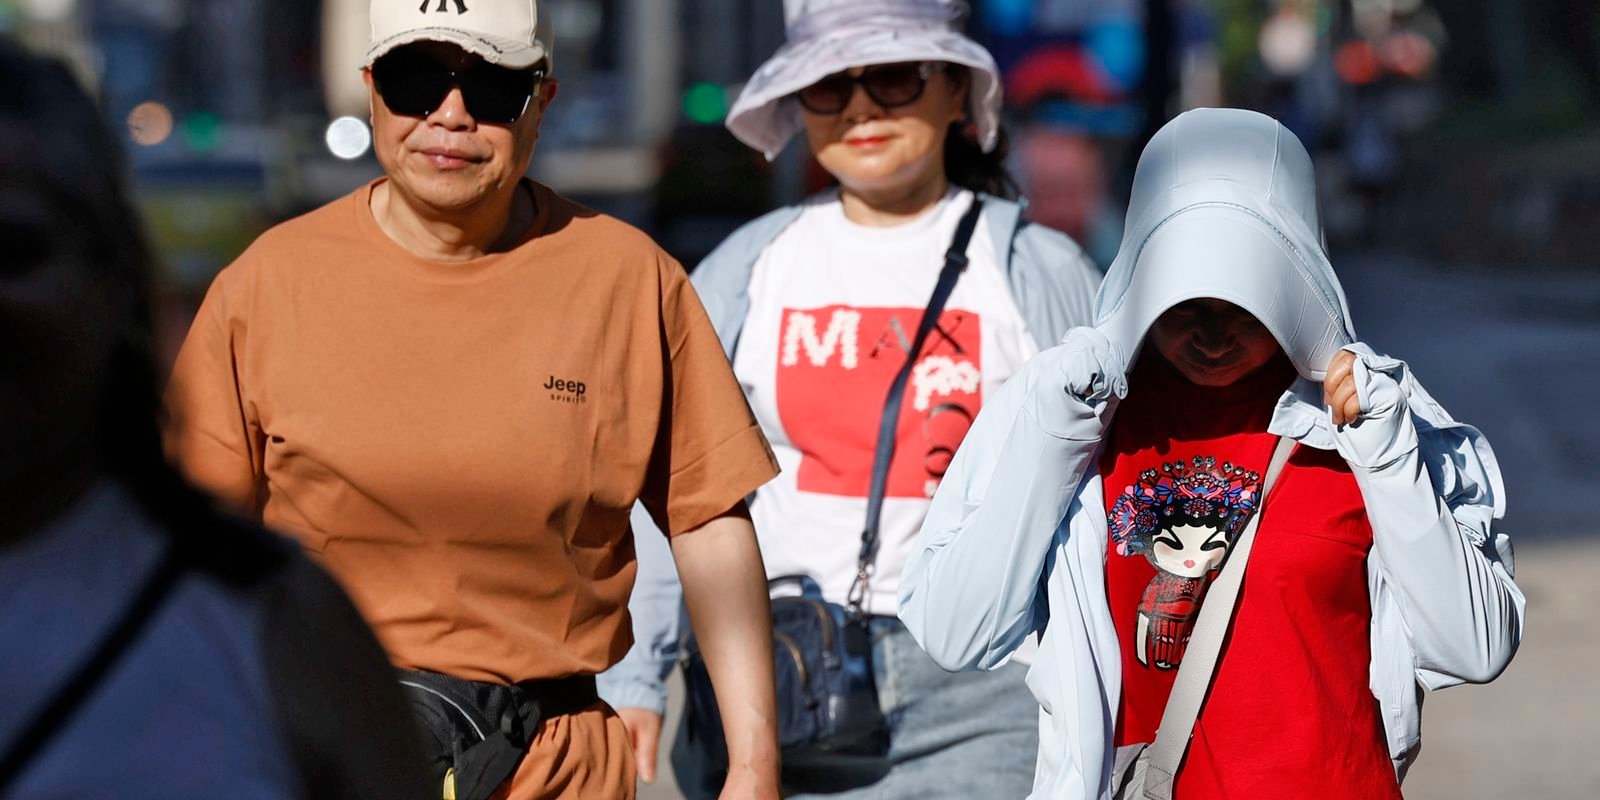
{"x":240,"y":113}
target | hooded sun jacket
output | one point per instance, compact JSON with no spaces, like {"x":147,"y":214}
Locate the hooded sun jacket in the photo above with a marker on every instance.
{"x":1224,"y":207}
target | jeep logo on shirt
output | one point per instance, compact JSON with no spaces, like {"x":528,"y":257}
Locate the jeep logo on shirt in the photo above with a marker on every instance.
{"x":566,"y":391}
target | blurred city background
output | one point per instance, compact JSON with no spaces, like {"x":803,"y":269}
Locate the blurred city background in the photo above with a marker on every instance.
{"x":1458,"y":150}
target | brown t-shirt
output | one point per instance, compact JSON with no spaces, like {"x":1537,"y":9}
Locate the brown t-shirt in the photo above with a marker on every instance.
{"x":460,"y":443}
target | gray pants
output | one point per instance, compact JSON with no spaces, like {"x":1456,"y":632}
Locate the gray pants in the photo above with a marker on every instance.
{"x":951,"y":734}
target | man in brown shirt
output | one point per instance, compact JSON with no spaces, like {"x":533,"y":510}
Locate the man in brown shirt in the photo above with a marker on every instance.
{"x":453,"y":384}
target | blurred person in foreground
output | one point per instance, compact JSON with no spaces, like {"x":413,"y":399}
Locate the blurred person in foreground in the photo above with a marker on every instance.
{"x":152,"y":647}
{"x":452,"y":385}
{"x":1101,"y":501}
{"x":817,"y":305}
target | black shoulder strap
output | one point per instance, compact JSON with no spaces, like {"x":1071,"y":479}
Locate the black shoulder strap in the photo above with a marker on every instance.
{"x":955,"y":262}
{"x":54,"y":715}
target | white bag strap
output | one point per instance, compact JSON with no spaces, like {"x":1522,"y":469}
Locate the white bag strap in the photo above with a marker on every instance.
{"x":1205,"y":646}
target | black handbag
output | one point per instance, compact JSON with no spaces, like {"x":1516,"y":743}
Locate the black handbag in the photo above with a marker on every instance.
{"x":828,"y":712}
{"x":822,"y":664}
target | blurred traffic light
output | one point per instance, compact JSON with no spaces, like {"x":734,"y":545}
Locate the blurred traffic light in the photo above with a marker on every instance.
{"x":202,"y":131}
{"x":705,"y":103}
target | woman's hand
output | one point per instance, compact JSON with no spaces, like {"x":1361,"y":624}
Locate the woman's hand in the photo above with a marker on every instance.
{"x":1339,"y":389}
{"x":1094,"y":368}
{"x":644,"y":733}
{"x":1074,"y":383}
{"x":1372,"y":425}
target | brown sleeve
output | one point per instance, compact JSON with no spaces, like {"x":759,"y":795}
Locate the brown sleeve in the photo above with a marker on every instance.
{"x":352,"y":736}
{"x":710,"y":453}
{"x":211,"y":434}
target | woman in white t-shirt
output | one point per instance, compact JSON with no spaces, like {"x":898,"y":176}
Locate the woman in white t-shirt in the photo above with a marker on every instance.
{"x":817,"y":305}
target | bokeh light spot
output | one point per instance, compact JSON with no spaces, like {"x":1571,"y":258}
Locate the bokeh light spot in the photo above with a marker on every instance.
{"x":1357,"y":63}
{"x":48,"y":10}
{"x":202,"y":131}
{"x":149,"y":123}
{"x":1288,"y":43}
{"x":348,"y":138}
{"x":705,"y":103}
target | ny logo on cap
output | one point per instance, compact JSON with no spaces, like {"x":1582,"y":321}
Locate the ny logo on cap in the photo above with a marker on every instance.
{"x":461,"y":6}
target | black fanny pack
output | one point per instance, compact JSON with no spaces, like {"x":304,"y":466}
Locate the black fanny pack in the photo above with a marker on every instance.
{"x":476,"y":733}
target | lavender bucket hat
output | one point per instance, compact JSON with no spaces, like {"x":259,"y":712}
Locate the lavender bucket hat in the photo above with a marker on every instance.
{"x":828,"y":36}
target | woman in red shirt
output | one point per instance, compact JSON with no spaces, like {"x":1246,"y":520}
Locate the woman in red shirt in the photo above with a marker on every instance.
{"x":1108,"y":502}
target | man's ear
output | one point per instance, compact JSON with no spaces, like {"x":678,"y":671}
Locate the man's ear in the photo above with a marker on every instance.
{"x":372,"y":92}
{"x":548,"y":89}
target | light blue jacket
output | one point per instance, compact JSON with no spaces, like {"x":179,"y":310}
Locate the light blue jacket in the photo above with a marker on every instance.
{"x":1224,"y":207}
{"x":1053,"y":282}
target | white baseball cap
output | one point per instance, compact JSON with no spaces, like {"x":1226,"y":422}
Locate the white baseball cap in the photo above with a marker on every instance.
{"x":509,"y":33}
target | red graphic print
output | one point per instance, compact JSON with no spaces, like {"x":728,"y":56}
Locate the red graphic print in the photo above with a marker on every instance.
{"x":835,"y":365}
{"x":1184,"y":519}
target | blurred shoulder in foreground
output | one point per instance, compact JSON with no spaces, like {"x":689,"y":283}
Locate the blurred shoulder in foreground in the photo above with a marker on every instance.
{"x":154,"y":645}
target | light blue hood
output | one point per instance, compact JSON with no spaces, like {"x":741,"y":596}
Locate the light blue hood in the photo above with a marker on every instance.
{"x":1224,"y":206}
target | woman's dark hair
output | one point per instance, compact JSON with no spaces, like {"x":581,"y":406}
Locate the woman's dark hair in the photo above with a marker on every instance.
{"x":966,"y":164}
{"x":78,"y":164}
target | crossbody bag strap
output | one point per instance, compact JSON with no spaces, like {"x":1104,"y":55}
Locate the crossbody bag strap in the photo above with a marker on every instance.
{"x":1205,"y":646}
{"x":63,"y":706}
{"x":955,"y":262}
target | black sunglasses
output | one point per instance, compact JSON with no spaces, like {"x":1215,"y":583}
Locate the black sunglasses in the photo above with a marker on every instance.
{"x":889,"y":85}
{"x":413,"y":85}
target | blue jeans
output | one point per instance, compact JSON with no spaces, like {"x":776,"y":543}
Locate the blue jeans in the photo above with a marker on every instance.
{"x":951,"y":734}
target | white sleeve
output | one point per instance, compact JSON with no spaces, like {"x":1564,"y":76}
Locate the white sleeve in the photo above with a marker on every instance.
{"x":1431,"y":498}
{"x":971,"y":591}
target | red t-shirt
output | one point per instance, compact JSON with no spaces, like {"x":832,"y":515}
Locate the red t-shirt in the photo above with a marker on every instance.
{"x":1289,"y":713}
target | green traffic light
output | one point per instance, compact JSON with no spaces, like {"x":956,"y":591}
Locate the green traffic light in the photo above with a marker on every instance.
{"x":202,"y":131}
{"x":705,"y":103}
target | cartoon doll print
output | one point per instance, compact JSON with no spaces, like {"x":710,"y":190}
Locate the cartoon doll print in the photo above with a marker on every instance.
{"x":1183,"y":518}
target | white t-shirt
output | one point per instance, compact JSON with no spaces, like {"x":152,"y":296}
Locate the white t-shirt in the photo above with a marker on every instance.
{"x":833,"y":308}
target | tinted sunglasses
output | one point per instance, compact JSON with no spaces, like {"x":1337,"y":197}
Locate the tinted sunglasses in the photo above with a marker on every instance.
{"x":889,"y":85}
{"x":413,"y":85}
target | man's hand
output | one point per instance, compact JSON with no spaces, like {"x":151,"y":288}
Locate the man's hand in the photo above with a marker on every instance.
{"x":748,"y":784}
{"x":644,"y":732}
